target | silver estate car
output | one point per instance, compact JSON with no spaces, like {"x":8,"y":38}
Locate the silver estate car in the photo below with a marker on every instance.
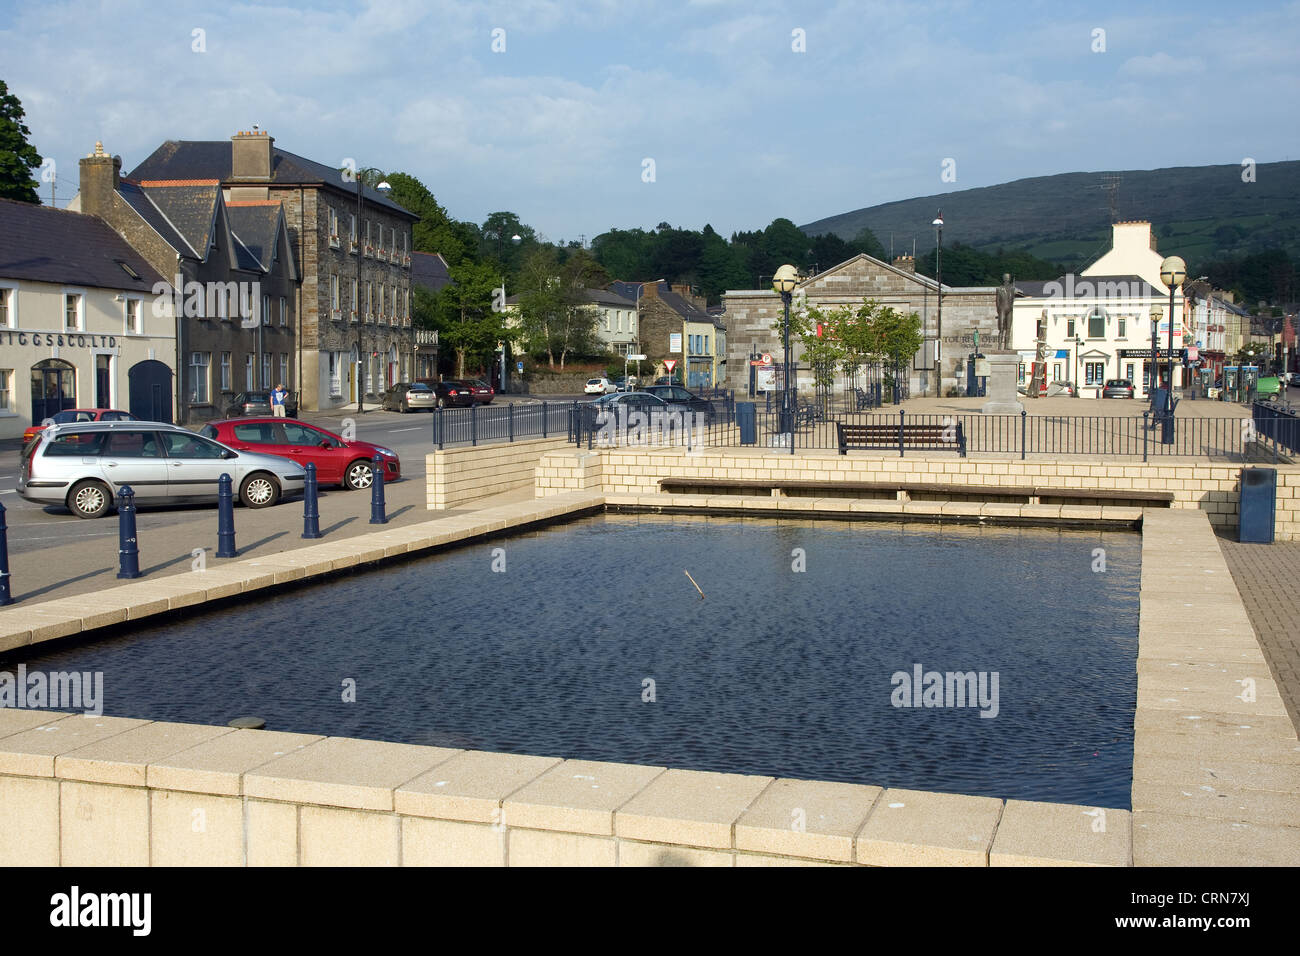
{"x":82,"y":466}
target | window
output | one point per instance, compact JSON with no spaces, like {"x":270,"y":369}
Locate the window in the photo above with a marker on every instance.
{"x":200,"y":386}
{"x":370,"y":300}
{"x":352,"y":230}
{"x":262,"y":433}
{"x":284,"y":311}
{"x":186,"y":445}
{"x":8,"y":315}
{"x":133,"y":444}
{"x":1097,"y":324}
{"x":1069,"y":328}
{"x":225,"y":371}
{"x":334,"y":225}
{"x":266,"y":310}
{"x":6,"y":389}
{"x":336,"y":375}
{"x":334,"y":292}
{"x":284,"y":367}
{"x":1020,"y":372}
{"x":304,"y":436}
{"x":354,"y":300}
{"x":1056,"y":372}
{"x":1122,"y":329}
{"x":249,"y":384}
{"x":266,"y":370}
{"x":72,"y":312}
{"x":132,"y":309}
{"x":1094,"y":373}
{"x":1128,"y":371}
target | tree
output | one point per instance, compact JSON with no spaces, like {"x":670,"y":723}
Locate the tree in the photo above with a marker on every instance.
{"x":463,"y":315}
{"x":17,"y":156}
{"x":436,"y":231}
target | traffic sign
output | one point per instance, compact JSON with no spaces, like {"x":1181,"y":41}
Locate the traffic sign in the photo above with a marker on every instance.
{"x":635,"y":358}
{"x":767,"y":358}
{"x":670,"y":364}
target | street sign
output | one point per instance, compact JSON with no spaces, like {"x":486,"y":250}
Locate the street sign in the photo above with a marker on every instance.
{"x":670,"y":364}
{"x":520,"y":367}
{"x":767,"y":358}
{"x":635,"y":358}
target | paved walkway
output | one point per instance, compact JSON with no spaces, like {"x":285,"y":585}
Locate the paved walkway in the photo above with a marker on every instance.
{"x":1268,"y":577}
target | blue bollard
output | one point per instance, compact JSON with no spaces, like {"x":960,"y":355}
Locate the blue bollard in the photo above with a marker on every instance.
{"x":310,"y":512}
{"x":5,"y":597}
{"x":225,"y":518}
{"x":128,"y":548}
{"x":377,"y":515}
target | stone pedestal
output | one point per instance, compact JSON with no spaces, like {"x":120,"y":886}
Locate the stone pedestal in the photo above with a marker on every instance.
{"x":1004,"y":369}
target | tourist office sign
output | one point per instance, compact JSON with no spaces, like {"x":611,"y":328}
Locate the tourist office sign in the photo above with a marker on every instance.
{"x":40,"y":340}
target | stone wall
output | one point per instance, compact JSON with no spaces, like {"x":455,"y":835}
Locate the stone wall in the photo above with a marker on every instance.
{"x":1212,"y":488}
{"x":457,"y":476}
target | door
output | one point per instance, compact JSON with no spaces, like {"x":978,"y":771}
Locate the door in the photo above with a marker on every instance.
{"x":135,"y":458}
{"x":103,"y":381}
{"x":305,"y":444}
{"x":194,"y":464}
{"x":54,"y":388}
{"x":150,"y":390}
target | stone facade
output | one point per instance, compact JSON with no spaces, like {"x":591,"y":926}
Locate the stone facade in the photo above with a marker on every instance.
{"x":753,"y":317}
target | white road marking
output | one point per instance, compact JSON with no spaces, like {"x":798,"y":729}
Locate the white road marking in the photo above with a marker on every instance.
{"x":394,"y":431}
{"x":9,"y":491}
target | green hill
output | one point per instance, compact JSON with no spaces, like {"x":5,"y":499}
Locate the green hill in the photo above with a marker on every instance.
{"x":1198,"y":212}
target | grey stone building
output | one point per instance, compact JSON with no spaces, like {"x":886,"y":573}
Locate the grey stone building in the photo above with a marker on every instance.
{"x":753,"y":317}
{"x":353,"y":333}
{"x":231,"y":282}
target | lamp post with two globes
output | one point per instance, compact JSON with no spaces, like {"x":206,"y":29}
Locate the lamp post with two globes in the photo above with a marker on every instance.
{"x":783,"y":283}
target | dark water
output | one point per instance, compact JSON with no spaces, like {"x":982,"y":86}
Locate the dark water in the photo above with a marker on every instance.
{"x":773,"y":672}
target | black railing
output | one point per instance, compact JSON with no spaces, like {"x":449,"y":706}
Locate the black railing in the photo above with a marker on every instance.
{"x":485,"y":424}
{"x":1271,"y":433}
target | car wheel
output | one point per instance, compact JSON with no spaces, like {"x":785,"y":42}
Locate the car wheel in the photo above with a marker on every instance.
{"x":89,"y":499}
{"x":359,"y":475}
{"x":259,"y":490}
{"x":442,"y":402}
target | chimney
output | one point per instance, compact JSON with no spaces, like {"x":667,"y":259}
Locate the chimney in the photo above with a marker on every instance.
{"x":650,"y":290}
{"x":100,"y":175}
{"x":250,"y":156}
{"x":906,"y":263}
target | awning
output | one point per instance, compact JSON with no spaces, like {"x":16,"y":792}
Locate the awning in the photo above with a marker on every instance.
{"x":1062,"y":353}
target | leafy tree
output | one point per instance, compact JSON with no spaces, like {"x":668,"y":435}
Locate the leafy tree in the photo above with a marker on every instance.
{"x":497,"y":240}
{"x":17,"y":156}
{"x":463,"y":315}
{"x":436,"y":231}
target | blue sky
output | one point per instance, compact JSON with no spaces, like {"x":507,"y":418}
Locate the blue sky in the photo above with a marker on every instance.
{"x":741,"y":127}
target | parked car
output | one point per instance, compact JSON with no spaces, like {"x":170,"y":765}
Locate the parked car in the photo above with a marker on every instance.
{"x":599,"y":386}
{"x":1118,"y":388}
{"x":450,"y":393}
{"x":592,"y":412}
{"x":83,"y":465}
{"x":70,"y":415}
{"x":408,"y":396}
{"x":1059,"y":388}
{"x":483,"y":392}
{"x":338,"y":462}
{"x":680,"y":398}
{"x":258,"y":402}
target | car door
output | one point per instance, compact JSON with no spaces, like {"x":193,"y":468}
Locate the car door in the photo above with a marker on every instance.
{"x":135,"y":458}
{"x":194,"y":466}
{"x":254,"y":436}
{"x":307,"y":444}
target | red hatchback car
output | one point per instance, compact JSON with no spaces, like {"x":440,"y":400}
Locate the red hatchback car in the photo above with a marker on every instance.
{"x":69,"y":415}
{"x":338,"y":462}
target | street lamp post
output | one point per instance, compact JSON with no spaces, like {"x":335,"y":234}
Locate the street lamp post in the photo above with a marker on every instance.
{"x":1078,"y":345}
{"x":784,"y":282}
{"x":938,"y":322}
{"x":1173,"y":271}
{"x":362,"y":360}
{"x":1156,"y":315}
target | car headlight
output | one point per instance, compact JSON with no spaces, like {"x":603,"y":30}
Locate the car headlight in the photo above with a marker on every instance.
{"x":386,"y":451}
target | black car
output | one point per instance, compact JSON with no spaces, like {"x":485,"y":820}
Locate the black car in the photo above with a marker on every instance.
{"x":257,"y":404}
{"x":451,"y":393}
{"x":680,"y":399}
{"x":1118,"y":388}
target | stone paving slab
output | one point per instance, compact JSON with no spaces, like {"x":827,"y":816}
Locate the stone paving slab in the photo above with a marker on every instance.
{"x":1165,"y":839}
{"x":689,"y":807}
{"x":918,"y":828}
{"x":577,"y":796}
{"x":1057,"y":834}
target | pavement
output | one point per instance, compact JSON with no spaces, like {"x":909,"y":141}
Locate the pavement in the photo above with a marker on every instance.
{"x":1268,"y":578}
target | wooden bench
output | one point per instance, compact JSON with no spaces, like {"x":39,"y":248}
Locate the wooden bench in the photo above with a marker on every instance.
{"x":1048,"y":495}
{"x":926,"y":437}
{"x":833,"y":488}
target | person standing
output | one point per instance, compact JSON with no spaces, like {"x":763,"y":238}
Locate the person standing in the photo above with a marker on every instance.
{"x":278,"y":396}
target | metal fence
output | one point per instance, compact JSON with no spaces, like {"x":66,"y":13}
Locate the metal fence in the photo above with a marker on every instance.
{"x":483,"y":424}
{"x":1268,"y":433}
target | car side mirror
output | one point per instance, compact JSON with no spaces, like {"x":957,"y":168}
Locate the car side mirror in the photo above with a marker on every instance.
{"x":326,"y":443}
{"x":227,"y":453}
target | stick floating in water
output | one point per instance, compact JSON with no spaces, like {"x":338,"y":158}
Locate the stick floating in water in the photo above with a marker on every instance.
{"x":697,"y":587}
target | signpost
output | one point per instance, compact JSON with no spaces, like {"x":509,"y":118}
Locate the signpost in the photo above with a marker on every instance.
{"x":669,"y":365}
{"x":631,"y":358}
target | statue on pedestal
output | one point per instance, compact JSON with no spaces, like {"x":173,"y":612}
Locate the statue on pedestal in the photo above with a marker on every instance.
{"x":1006,"y":297}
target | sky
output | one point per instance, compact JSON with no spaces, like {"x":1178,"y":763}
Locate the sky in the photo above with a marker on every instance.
{"x":586,"y":115}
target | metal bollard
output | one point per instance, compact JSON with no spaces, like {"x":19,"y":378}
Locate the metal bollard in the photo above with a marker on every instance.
{"x":310,"y":511}
{"x":5,"y":597}
{"x":377,"y":515}
{"x":128,"y":549}
{"x":225,"y":518}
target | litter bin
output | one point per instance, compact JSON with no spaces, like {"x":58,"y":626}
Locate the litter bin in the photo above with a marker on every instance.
{"x":1258,"y":505}
{"x":747,"y":420}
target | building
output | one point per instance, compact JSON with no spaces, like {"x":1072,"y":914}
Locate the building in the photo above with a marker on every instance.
{"x":1097,"y":325}
{"x":229,"y":271}
{"x":753,"y":317}
{"x":344,"y":318}
{"x":78,"y":328}
{"x":675,"y":324}
{"x":429,"y":271}
{"x":616,"y":321}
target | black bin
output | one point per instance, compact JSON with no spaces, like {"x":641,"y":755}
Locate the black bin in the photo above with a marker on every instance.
{"x":747,"y":420}
{"x":1258,"y":506}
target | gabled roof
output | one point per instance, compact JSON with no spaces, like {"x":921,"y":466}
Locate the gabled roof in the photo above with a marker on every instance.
{"x":136,"y":198}
{"x":257,"y":226}
{"x":211,"y":160}
{"x":430,"y":271}
{"x":42,"y":244}
{"x":604,"y":297}
{"x":190,"y":207}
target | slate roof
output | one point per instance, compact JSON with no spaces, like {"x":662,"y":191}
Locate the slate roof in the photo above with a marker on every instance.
{"x":604,"y":297}
{"x":257,"y":227}
{"x":430,"y":270}
{"x":43,"y":244}
{"x":210,"y":159}
{"x":189,"y":207}
{"x":137,"y":199}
